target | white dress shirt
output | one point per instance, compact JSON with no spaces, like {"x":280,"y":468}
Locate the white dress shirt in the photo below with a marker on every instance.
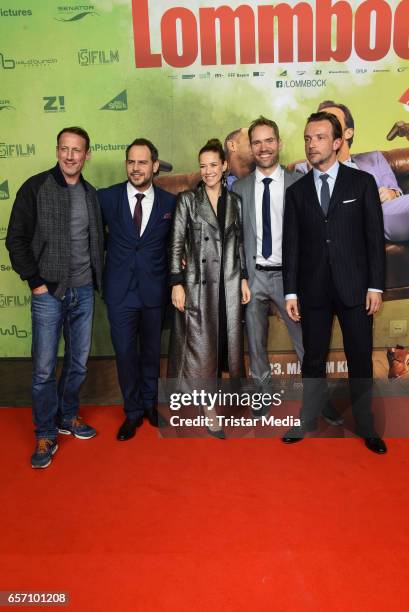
{"x":332,"y":177}
{"x":147,"y":203}
{"x":276,"y":215}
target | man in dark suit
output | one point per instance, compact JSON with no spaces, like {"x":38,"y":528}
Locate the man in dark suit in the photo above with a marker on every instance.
{"x":138,"y":216}
{"x":333,"y":264}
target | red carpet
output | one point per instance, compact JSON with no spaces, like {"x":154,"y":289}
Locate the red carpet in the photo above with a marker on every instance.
{"x":203,"y":524}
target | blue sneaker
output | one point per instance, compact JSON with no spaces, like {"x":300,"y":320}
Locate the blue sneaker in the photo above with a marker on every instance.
{"x":77,"y":428}
{"x":43,"y":453}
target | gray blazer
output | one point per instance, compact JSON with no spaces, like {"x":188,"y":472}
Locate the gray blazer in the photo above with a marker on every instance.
{"x":245,"y":189}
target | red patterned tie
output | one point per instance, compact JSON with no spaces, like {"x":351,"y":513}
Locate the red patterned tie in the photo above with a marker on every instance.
{"x":137,"y":213}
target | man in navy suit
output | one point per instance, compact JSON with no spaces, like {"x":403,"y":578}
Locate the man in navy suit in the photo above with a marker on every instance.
{"x":333,"y":264}
{"x":138,"y":217}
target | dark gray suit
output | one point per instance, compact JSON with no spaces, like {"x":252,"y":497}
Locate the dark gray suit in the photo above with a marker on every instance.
{"x":330,"y":261}
{"x":264,"y":286}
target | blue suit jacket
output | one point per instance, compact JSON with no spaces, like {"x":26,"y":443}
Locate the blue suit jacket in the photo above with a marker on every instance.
{"x":133,"y":262}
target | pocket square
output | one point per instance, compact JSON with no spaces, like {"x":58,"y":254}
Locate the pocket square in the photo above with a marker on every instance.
{"x":167,"y":216}
{"x":348,"y":201}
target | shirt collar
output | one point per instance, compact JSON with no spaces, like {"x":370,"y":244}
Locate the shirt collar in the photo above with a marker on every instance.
{"x":332,"y":172}
{"x":132,"y":191}
{"x":275,"y":176}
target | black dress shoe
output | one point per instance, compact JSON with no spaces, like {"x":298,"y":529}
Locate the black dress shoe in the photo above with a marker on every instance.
{"x":376,"y":445}
{"x":156,"y":419}
{"x":294,"y":434}
{"x":128,"y":428}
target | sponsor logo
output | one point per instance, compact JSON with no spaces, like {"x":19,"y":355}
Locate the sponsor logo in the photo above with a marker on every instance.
{"x":5,"y":105}
{"x":311,"y":83}
{"x":8,"y":63}
{"x":402,"y":68}
{"x":75,"y":13}
{"x":98,"y":147}
{"x":4,"y":190}
{"x":3,"y":234}
{"x":119,"y":103}
{"x":16,"y":150}
{"x":54,"y":104}
{"x":13,"y":330}
{"x":4,"y":267}
{"x":8,"y":12}
{"x":87,"y":57}
{"x":7,"y":301}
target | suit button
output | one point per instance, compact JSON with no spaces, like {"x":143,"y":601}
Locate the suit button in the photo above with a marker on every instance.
{"x":326,"y":220}
{"x":207,"y":238}
{"x":328,"y":240}
{"x":203,"y":282}
{"x":203,"y":260}
{"x":254,"y":257}
{"x":136,"y":248}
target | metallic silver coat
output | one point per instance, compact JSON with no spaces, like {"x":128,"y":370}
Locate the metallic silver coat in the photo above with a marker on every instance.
{"x":195,"y":237}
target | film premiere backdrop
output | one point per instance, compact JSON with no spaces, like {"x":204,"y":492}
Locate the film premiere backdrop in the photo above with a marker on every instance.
{"x":179,"y":73}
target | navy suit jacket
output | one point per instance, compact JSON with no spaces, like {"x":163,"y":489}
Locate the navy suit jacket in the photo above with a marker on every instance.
{"x":348,"y":244}
{"x":134,"y":262}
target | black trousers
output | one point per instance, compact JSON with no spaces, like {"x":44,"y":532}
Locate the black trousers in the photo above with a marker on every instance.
{"x":356,"y":327}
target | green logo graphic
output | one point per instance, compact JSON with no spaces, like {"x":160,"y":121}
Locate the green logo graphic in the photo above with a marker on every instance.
{"x":4,"y":191}
{"x":16,"y":150}
{"x":5,"y":105}
{"x":77,"y":17}
{"x":97,"y":57}
{"x":119,"y":103}
{"x":7,"y":63}
{"x":54,"y":104}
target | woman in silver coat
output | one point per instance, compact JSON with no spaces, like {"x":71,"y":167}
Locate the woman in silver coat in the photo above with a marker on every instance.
{"x":208,"y":276}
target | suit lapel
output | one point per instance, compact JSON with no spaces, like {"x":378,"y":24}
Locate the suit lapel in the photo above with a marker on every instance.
{"x":230,"y":212}
{"x":288,"y":180}
{"x":125,"y":214}
{"x":313,"y":196}
{"x":205,"y":209}
{"x":337,"y":191}
{"x":154,"y":216}
{"x":251,"y":197}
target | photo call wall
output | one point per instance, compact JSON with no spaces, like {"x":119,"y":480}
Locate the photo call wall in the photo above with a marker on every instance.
{"x":181,"y":72}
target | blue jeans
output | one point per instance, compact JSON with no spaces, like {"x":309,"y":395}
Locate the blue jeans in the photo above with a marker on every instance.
{"x":50,"y":316}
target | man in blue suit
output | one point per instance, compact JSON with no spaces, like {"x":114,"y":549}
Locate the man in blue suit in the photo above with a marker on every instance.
{"x":138,"y":217}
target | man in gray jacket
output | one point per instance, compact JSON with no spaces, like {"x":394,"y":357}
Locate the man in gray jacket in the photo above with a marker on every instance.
{"x":262,"y":194}
{"x":55,"y":240}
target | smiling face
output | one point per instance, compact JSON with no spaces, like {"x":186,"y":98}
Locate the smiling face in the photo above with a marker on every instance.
{"x":320,"y":145}
{"x":266,"y":148}
{"x":211,"y":168}
{"x":140,"y":168}
{"x":71,"y":155}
